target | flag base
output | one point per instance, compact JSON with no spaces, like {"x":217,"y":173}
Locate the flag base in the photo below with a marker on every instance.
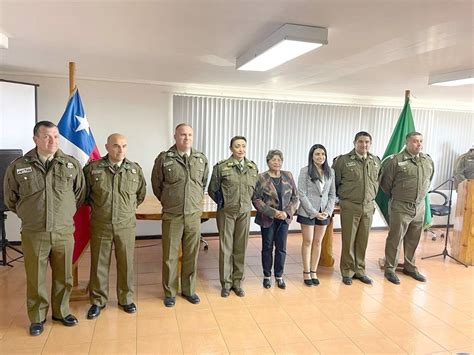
{"x":80,"y":292}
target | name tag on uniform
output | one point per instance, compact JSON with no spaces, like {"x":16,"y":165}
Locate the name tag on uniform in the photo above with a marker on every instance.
{"x":402,"y":163}
{"x":134,"y":171}
{"x":351,"y":163}
{"x":96,"y":172}
{"x":168,"y":163}
{"x":201,"y":161}
{"x":24,"y":170}
{"x":70,"y":165}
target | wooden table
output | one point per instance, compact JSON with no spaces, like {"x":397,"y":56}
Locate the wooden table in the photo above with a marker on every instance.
{"x":151,"y":210}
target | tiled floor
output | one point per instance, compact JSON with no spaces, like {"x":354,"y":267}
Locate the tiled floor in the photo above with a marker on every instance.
{"x":435,"y":317}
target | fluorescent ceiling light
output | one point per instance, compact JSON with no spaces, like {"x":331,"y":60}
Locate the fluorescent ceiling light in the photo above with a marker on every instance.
{"x":286,"y":43}
{"x":3,"y":41}
{"x":458,"y":78}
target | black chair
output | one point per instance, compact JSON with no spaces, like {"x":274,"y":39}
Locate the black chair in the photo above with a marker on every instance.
{"x":439,"y":210}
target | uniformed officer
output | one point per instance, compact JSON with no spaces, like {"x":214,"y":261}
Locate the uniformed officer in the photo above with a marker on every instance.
{"x":44,"y":188}
{"x":464,"y":167}
{"x":115,"y":187}
{"x":232,"y":184}
{"x":179,"y":177}
{"x":356,"y":176}
{"x":406,"y":178}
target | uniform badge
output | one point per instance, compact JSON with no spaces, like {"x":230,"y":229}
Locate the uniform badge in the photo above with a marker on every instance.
{"x":70,"y":165}
{"x":168,"y":163}
{"x":24,"y":170}
{"x":96,"y":172}
{"x":351,"y":163}
{"x":170,"y":154}
{"x":402,"y":163}
{"x":134,"y":171}
{"x":230,"y":164}
{"x":201,"y":161}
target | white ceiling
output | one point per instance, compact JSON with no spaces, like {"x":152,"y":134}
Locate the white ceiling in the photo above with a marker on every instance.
{"x":377,"y":48}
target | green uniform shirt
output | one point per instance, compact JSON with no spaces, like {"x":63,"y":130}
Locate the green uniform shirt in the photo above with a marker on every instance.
{"x":114,"y":194}
{"x":178,"y":185}
{"x":232,"y":188}
{"x":407,"y":178}
{"x":356,"y":178}
{"x":45,"y":201}
{"x":464,"y":167}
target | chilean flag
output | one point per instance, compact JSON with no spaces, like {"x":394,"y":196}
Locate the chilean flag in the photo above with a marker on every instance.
{"x":77,"y":140}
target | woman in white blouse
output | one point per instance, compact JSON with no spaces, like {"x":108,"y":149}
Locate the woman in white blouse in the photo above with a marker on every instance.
{"x":317,"y":195}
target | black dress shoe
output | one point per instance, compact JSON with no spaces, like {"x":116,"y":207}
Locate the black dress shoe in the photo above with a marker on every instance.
{"x":169,"y":301}
{"x":267,"y":283}
{"x":314,"y":280}
{"x":365,"y":279}
{"x":415,"y":274}
{"x":238,"y":291}
{"x":225,"y":292}
{"x":280,"y":283}
{"x":390,"y":276}
{"x":129,"y":308}
{"x":36,"y":328}
{"x":94,"y":311}
{"x":194,"y":299}
{"x":347,"y":280}
{"x":68,"y":321}
{"x":307,"y":282}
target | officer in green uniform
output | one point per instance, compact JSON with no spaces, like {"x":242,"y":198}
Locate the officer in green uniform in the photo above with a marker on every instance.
{"x":44,"y":188}
{"x":406,"y":178}
{"x":356,"y":177}
{"x":464,"y":167}
{"x":232,"y":184}
{"x":115,"y":187}
{"x":179,"y":177}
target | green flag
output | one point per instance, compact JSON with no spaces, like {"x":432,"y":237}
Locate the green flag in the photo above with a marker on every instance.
{"x":396,"y":144}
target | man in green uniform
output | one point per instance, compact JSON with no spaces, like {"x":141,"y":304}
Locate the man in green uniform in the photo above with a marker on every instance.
{"x":356,"y":178}
{"x":232,"y":184}
{"x":115,"y":187}
{"x":464,"y":167}
{"x":44,"y":188}
{"x":178,"y":179}
{"x":406,"y":179}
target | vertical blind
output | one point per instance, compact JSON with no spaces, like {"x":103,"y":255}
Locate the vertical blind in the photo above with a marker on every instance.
{"x":293,"y":127}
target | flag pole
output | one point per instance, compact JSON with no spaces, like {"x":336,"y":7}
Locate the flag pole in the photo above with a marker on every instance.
{"x":407,"y":95}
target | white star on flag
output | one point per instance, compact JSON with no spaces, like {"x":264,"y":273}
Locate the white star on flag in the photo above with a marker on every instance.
{"x":83,"y":124}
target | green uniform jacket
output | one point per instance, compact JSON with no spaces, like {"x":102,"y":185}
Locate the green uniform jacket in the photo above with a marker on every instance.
{"x":44,"y":201}
{"x":356,"y":180}
{"x":407,"y":178}
{"x":230,"y":189}
{"x":464,"y":167}
{"x":114,"y":195}
{"x":180,"y":187}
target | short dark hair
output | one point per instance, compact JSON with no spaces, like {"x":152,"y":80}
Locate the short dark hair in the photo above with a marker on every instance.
{"x":237,"y":138}
{"x":272,"y":153}
{"x":362,"y":134}
{"x":47,"y":124}
{"x":411,"y":134}
{"x":312,"y":172}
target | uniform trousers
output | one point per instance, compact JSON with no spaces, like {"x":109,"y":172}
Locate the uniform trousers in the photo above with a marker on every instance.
{"x":406,"y":225}
{"x":356,"y":220}
{"x":233,"y":235}
{"x":102,"y":239}
{"x":180,"y":230}
{"x":38,"y":249}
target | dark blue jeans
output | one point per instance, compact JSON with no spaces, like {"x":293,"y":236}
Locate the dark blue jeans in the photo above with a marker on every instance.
{"x":275,"y":235}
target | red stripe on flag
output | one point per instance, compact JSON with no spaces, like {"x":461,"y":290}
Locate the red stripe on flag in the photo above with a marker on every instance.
{"x":82,"y":233}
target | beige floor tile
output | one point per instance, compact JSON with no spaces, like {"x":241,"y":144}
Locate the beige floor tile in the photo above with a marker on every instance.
{"x":114,"y":330}
{"x":203,"y":341}
{"x":202,"y":319}
{"x":269,"y":314}
{"x":160,"y":344}
{"x":282,"y":333}
{"x":235,"y":318}
{"x":416,"y":343}
{"x":316,"y":330}
{"x":343,"y":346}
{"x":71,"y":335}
{"x":355,"y":325}
{"x":448,"y":337}
{"x":370,"y":344}
{"x":296,"y":349}
{"x":153,"y":308}
{"x":72,"y":349}
{"x":256,"y":351}
{"x":244,"y":338}
{"x":106,"y":347}
{"x":152,"y":327}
